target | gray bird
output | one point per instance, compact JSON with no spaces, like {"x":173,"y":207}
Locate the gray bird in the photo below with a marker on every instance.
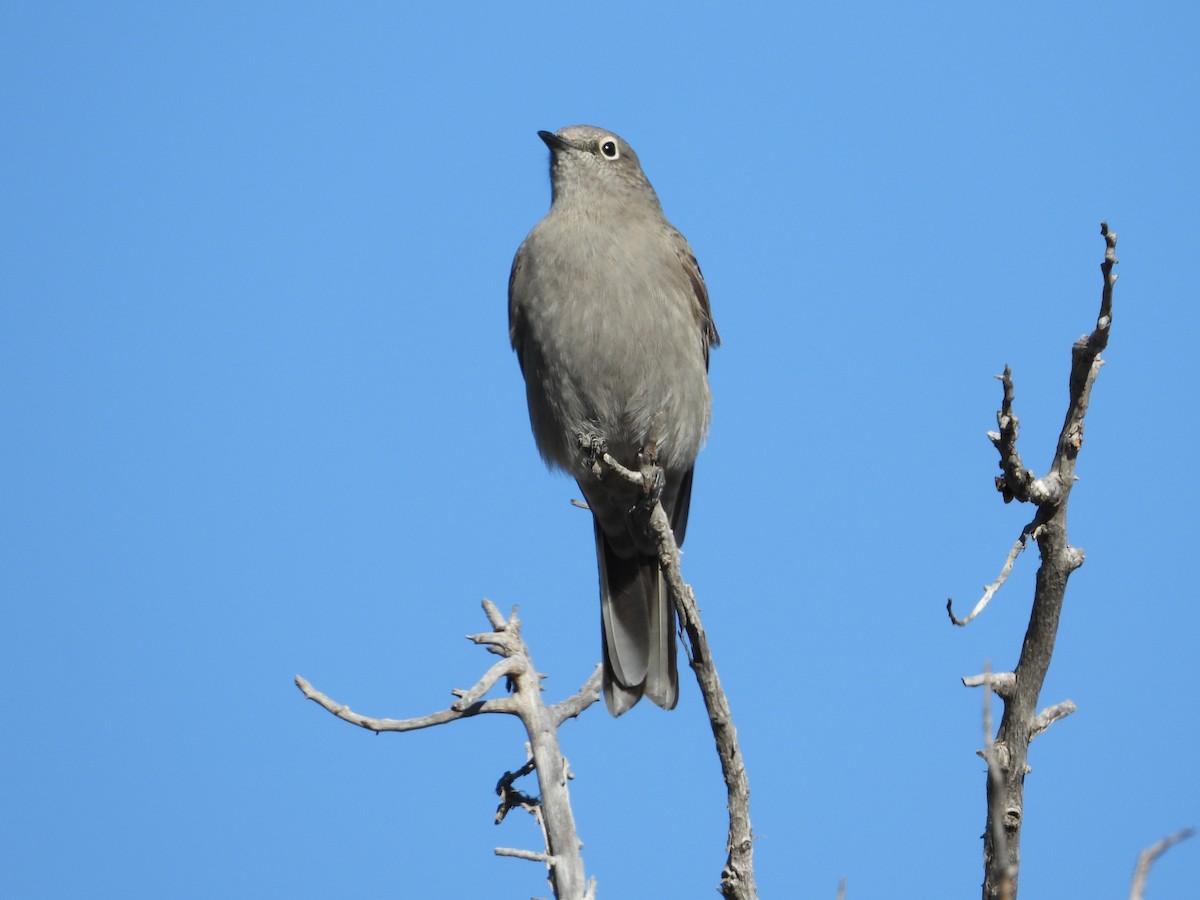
{"x":609,"y":316}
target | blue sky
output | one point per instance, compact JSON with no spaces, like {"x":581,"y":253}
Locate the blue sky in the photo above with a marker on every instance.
{"x":261,"y":418}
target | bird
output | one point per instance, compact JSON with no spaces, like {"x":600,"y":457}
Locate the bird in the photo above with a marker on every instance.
{"x":610,"y":319}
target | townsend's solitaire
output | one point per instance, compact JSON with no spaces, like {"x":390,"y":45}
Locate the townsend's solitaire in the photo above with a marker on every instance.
{"x":609,"y":316}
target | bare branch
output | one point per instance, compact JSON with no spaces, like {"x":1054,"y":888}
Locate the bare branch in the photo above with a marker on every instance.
{"x":628,"y":474}
{"x":553,"y":808}
{"x":997,"y":759}
{"x":1017,"y":481}
{"x":999,"y":683}
{"x":499,"y":624}
{"x":841,"y":894}
{"x":990,"y":590}
{"x":587,"y":695}
{"x":505,"y":668}
{"x":1149,"y":855}
{"x":737,"y":877}
{"x":531,"y":855}
{"x":1008,"y":759}
{"x":513,"y":798}
{"x":1050,"y":715}
{"x":344,"y":713}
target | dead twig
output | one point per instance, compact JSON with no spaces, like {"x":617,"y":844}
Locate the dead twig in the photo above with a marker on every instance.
{"x":1149,"y":855}
{"x":990,"y":590}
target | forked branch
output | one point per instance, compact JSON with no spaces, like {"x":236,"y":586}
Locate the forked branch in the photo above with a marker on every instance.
{"x":1007,"y":755}
{"x":552,"y":808}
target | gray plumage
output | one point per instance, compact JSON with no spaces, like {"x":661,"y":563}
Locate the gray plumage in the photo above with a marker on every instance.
{"x":610,"y":319}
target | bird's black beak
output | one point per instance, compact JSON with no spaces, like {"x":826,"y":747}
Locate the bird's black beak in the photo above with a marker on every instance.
{"x":553,"y":141}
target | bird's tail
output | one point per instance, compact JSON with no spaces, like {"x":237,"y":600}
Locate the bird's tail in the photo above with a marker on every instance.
{"x":638,"y":625}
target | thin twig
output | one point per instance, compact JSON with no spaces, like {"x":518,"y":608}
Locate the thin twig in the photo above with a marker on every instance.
{"x":1149,"y":855}
{"x":343,"y":712}
{"x":990,"y":590}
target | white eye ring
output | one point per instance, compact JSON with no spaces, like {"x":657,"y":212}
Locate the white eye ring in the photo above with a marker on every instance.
{"x":609,"y":148}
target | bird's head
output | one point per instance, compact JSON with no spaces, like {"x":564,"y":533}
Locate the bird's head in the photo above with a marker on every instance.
{"x":589,"y":165}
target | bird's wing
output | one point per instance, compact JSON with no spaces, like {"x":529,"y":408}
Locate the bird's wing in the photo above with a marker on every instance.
{"x":516,"y":318}
{"x":700,"y":307}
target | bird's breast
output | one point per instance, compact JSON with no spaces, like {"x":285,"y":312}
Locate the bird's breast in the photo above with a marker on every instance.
{"x":615,"y":343}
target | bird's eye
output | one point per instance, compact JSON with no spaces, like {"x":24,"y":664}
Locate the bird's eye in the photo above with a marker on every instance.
{"x":609,"y":148}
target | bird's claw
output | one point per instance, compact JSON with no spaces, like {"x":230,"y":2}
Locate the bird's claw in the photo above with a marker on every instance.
{"x":594,"y":448}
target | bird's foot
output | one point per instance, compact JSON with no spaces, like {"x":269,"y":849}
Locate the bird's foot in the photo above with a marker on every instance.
{"x":652,"y":475}
{"x":653,"y":481}
{"x":594,"y":448}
